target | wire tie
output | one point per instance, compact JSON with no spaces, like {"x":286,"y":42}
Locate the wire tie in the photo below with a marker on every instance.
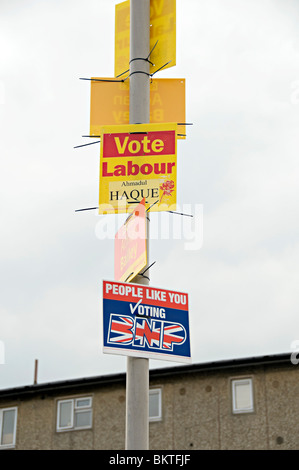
{"x":180,"y":213}
{"x":103,"y":80}
{"x":141,"y":58}
{"x":152,"y":205}
{"x":87,"y":209}
{"x":153,"y":48}
{"x":84,"y":145}
{"x":147,"y":268}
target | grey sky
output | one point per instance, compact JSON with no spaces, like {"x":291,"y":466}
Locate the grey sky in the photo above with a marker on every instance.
{"x":239,"y":163}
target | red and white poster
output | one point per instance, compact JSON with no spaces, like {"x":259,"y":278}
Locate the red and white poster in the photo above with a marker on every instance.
{"x":130,"y":254}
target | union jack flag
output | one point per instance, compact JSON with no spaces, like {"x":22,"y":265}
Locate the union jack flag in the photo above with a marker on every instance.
{"x":120,"y":330}
{"x":141,"y":332}
{"x":150,"y":334}
{"x":173,"y":333}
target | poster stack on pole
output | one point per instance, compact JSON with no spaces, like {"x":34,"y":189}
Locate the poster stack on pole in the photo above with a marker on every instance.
{"x":137,"y":378}
{"x":137,"y":118}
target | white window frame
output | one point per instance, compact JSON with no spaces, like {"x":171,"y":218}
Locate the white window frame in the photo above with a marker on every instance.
{"x":75,"y":409}
{"x":235,"y":383}
{"x":158,"y":391}
{"x":2,"y":410}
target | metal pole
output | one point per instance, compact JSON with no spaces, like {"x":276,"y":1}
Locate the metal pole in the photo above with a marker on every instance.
{"x":35,"y":371}
{"x":137,"y":385}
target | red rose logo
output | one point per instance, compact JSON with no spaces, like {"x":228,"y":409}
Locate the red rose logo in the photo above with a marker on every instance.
{"x":167,"y":188}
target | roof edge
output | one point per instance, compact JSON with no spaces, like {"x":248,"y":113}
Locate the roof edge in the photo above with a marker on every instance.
{"x":120,"y":378}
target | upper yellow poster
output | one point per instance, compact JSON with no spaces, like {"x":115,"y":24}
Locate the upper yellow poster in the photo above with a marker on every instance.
{"x":110,"y":103}
{"x":162,"y":29}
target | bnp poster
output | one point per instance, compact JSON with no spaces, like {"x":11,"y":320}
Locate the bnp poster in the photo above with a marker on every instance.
{"x":145,"y":321}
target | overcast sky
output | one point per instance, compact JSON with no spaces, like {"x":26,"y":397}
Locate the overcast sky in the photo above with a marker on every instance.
{"x":238,"y":174}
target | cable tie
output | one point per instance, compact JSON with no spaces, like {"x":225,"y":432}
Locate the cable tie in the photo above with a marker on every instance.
{"x":141,"y":58}
{"x":140,"y":132}
{"x":122,"y":73}
{"x":152,"y":205}
{"x":160,"y":68}
{"x":145,"y":73}
{"x":93,"y":136}
{"x":87,"y":209}
{"x":153,"y":49}
{"x":90,"y":143}
{"x":146,"y":277}
{"x":147,"y":268}
{"x":180,"y":213}
{"x":128,"y":218}
{"x":102,"y":80}
{"x":138,"y":71}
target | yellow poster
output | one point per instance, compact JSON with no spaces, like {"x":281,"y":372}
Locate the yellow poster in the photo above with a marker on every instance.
{"x":162,"y":29}
{"x":110,"y":103}
{"x":138,"y":161}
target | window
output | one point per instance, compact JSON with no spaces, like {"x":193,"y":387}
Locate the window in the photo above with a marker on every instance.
{"x":8,"y":426}
{"x":242,"y":396}
{"x":74,"y":413}
{"x":155,"y":404}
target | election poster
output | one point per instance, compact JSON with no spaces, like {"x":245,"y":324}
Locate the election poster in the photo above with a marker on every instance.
{"x":138,"y":161}
{"x":144,"y":321}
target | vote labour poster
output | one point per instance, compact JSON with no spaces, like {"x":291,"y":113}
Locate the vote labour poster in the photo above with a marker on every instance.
{"x":145,"y":321}
{"x":138,"y":161}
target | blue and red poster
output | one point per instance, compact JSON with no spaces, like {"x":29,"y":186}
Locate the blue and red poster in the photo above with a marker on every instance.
{"x":145,"y":321}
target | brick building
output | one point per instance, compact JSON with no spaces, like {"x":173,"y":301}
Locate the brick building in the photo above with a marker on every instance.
{"x":248,"y":403}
